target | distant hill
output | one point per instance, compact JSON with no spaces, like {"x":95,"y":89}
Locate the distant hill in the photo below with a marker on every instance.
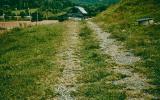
{"x":52,"y":6}
{"x":106,"y":2}
{"x":94,"y":6}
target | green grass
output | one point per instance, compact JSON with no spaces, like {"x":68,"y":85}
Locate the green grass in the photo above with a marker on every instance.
{"x":27,"y":58}
{"x":95,"y":75}
{"x":100,"y":91}
{"x":144,"y":41}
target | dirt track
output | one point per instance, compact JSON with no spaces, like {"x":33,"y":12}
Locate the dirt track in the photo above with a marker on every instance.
{"x":67,"y":57}
{"x":134,"y":83}
{"x":70,"y":63}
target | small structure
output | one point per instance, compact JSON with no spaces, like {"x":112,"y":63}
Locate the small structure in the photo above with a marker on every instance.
{"x":77,"y":12}
{"x":145,"y":21}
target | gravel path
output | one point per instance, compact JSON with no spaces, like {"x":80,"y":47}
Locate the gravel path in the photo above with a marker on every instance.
{"x":133,"y":83}
{"x":71,"y":64}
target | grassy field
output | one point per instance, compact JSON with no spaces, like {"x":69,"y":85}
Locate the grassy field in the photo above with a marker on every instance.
{"x":28,"y":68}
{"x":144,"y":41}
{"x":95,"y":75}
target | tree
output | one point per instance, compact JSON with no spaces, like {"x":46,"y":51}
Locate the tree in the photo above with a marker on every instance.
{"x":37,"y":16}
{"x":22,"y":14}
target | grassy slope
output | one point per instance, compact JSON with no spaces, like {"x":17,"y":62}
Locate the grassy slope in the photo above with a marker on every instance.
{"x":120,"y":20}
{"x":27,"y":57}
{"x":95,"y":75}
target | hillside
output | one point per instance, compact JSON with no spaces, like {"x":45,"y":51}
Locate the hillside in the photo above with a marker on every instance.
{"x":105,"y":2}
{"x":144,"y":41}
{"x":93,"y":7}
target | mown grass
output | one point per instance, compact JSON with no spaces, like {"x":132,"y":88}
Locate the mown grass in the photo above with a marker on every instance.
{"x":27,"y":57}
{"x":95,"y":75}
{"x":144,"y":41}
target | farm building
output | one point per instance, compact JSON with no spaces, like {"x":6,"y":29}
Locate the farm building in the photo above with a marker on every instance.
{"x":145,"y":21}
{"x":77,"y":12}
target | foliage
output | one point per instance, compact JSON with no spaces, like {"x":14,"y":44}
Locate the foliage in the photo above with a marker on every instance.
{"x":20,"y":4}
{"x":94,"y":7}
{"x":37,"y":16}
{"x":22,"y":14}
{"x":25,"y":4}
{"x":54,"y":6}
{"x":94,"y":1}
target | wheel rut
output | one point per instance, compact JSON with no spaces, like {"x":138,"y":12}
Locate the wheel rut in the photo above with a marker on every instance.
{"x":134,"y":83}
{"x":69,"y":62}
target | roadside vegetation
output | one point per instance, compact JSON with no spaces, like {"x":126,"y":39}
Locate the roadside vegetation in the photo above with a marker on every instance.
{"x":95,"y":79}
{"x":144,"y":41}
{"x":28,"y":68}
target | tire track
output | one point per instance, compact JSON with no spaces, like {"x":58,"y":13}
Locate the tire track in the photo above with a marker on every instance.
{"x":134,"y":83}
{"x":68,"y":60}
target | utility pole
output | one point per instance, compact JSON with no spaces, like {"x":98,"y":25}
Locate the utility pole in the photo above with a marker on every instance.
{"x":47,"y":14}
{"x":29,"y":13}
{"x":4,"y":17}
{"x":16,"y":14}
{"x":37,"y":18}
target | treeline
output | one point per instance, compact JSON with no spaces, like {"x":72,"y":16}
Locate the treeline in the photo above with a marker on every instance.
{"x":95,"y":6}
{"x":102,"y":2}
{"x":54,"y":6}
{"x":24,"y":4}
{"x":22,"y":8}
{"x":20,"y":4}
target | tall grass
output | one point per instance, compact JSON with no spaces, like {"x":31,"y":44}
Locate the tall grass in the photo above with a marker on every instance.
{"x":95,"y":75}
{"x":27,"y":57}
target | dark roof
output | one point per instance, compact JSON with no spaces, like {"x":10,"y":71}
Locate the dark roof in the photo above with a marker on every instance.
{"x":144,"y":19}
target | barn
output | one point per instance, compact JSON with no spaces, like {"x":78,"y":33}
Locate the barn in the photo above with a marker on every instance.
{"x":77,"y":12}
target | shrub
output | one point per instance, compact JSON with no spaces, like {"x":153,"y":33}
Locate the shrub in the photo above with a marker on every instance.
{"x":37,"y":17}
{"x":22,"y":14}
